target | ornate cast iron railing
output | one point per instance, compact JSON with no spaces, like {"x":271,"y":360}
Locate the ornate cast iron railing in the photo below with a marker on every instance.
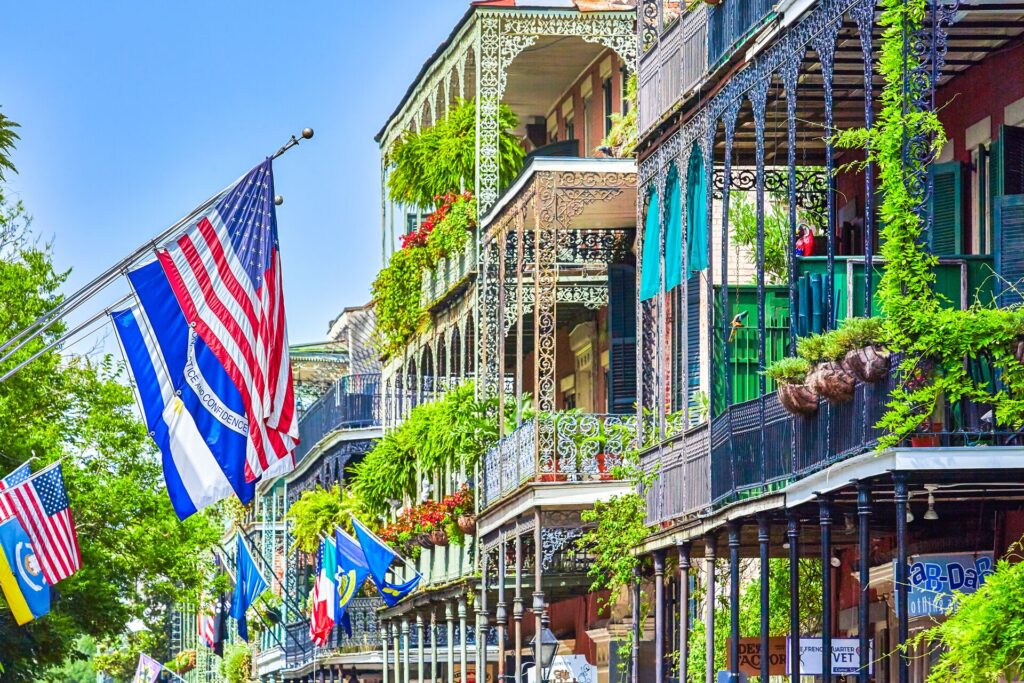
{"x":450,"y":272}
{"x":352,"y":401}
{"x":676,"y":62}
{"x":365,"y":634}
{"x":730,"y":23}
{"x":572,"y":447}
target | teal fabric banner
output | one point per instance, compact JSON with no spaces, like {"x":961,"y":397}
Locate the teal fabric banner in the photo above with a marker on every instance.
{"x":696,"y":214}
{"x":673,"y":232}
{"x":650,"y":274}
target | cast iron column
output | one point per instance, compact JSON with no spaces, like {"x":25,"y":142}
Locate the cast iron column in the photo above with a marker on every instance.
{"x":709,"y":612}
{"x":449,"y":615}
{"x":386,"y":632}
{"x":793,"y":535}
{"x":659,"y":616}
{"x":634,"y":603}
{"x":398,"y":650}
{"x":763,"y":538}
{"x":501,"y":610}
{"x":539,"y":606}
{"x":734,"y":601}
{"x":463,"y":647}
{"x":902,"y":614}
{"x":825,"y":520}
{"x":419,"y":647}
{"x":517,"y":610}
{"x":406,"y":668}
{"x":863,"y":606}
{"x":433,"y":644}
{"x":684,"y":607}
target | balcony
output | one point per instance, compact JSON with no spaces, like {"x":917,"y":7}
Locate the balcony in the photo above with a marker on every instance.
{"x":450,"y":273}
{"x":673,"y":66}
{"x":365,"y":634}
{"x":731,"y":23}
{"x":565,"y":447}
{"x":352,"y":402}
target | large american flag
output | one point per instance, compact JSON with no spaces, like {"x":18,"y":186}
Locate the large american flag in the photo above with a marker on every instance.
{"x":13,"y":479}
{"x":41,"y":504}
{"x":226,"y":275}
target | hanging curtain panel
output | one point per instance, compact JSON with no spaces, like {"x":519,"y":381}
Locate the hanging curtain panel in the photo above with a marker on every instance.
{"x":696,"y":214}
{"x":673,"y":232}
{"x":650,"y":274}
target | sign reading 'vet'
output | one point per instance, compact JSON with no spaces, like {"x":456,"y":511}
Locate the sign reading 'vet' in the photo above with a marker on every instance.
{"x":845,"y":657}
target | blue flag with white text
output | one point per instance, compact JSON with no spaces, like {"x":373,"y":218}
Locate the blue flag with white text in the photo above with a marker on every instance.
{"x":193,"y":410}
{"x":249,"y":583}
{"x":378,"y":559}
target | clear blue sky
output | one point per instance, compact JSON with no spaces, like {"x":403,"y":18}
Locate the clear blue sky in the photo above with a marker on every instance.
{"x":134,"y":112}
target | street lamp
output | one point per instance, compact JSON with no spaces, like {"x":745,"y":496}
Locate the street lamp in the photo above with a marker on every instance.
{"x":548,"y":648}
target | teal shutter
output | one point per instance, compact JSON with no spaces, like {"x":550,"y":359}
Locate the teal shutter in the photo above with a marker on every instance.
{"x":622,"y":337}
{"x":650,"y":270}
{"x":1008,"y":213}
{"x":946,"y":238}
{"x":673,"y":232}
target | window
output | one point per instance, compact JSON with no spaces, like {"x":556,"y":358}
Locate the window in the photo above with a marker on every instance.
{"x":570,"y":128}
{"x":412,"y":222}
{"x":606,"y":88}
{"x":981,"y":206}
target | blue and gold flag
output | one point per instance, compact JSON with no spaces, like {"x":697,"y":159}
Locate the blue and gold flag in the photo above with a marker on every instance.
{"x":21,"y":577}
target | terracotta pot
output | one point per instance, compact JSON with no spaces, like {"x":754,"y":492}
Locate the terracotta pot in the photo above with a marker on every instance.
{"x":467,"y":524}
{"x":927,"y":440}
{"x":831,"y":380}
{"x":869,"y":364}
{"x":438,"y":537}
{"x":554,"y":476}
{"x":797,"y":399}
{"x":603,"y":469}
{"x":424,"y":541}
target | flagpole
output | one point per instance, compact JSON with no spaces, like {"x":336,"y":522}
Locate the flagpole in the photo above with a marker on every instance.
{"x":101,"y":281}
{"x":378,"y":539}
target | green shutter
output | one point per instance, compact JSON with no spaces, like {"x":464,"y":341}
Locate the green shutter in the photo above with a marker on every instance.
{"x":946,"y":238}
{"x":1008,"y":213}
{"x":622,"y":337}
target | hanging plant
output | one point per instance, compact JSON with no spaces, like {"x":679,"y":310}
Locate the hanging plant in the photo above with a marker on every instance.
{"x":790,"y":375}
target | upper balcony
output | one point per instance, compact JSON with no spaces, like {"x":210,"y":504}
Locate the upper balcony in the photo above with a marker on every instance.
{"x":352,"y":402}
{"x":450,"y":275}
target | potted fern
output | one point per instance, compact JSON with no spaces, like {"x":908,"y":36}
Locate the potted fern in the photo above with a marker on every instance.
{"x":790,"y":376}
{"x":828,"y":376}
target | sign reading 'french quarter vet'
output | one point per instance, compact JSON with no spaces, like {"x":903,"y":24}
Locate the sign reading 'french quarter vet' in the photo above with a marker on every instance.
{"x":934,"y":578}
{"x":845,"y":657}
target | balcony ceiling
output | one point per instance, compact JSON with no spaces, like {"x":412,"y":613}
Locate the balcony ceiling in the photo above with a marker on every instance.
{"x":542,"y":72}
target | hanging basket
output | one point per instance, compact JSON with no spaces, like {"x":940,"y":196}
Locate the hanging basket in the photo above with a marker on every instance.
{"x":797,"y":399}
{"x":438,"y":537}
{"x":868,"y":364}
{"x":423,"y":541}
{"x":1017,"y":349}
{"x":832,"y":381}
{"x":467,"y":524}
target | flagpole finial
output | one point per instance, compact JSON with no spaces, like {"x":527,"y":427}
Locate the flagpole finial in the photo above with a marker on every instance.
{"x":278,"y":200}
{"x":307,"y":133}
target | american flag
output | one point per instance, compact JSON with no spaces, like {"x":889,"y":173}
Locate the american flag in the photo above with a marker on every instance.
{"x":207,"y":626}
{"x":11,"y":480}
{"x":41,"y":504}
{"x":226,"y":275}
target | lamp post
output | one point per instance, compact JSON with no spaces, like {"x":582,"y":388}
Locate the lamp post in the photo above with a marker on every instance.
{"x":548,"y":648}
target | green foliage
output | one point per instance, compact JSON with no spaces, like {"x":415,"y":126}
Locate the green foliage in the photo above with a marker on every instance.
{"x":320,"y":511}
{"x":982,"y":640}
{"x":442,"y":158}
{"x":82,"y":409}
{"x":819,"y":348}
{"x":623,"y":136}
{"x":743,"y":226}
{"x":453,"y":233}
{"x":853,"y":333}
{"x":8,"y":136}
{"x":788,"y":370}
{"x":387,"y":473}
{"x":236,"y":667}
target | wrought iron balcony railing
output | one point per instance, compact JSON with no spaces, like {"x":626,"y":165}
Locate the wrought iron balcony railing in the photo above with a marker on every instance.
{"x":450,"y":272}
{"x":673,"y":66}
{"x":567,"y":447}
{"x":352,"y":401}
{"x":730,"y":23}
{"x":365,"y":634}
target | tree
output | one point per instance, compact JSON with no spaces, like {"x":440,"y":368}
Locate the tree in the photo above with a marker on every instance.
{"x":137,"y":557}
{"x":8,"y":136}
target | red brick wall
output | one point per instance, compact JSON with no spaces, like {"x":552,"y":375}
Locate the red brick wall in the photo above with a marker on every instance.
{"x":596,"y":113}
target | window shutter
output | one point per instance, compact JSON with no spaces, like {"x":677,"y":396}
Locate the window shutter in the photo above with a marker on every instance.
{"x":693,"y":345}
{"x":1008,"y":207}
{"x":622,"y":335}
{"x":946,"y":238}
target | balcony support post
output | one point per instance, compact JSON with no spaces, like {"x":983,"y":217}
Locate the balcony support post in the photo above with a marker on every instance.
{"x":463,"y":645}
{"x":709,"y":609}
{"x":539,"y":606}
{"x":790,"y":73}
{"x":385,"y":628}
{"x":825,"y":522}
{"x":449,"y":615}
{"x":499,"y":346}
{"x":406,"y":663}
{"x":501,"y":611}
{"x":481,"y":615}
{"x":433,"y":644}
{"x":659,"y":616}
{"x":684,"y":607}
{"x":734,"y":600}
{"x":545,"y":284}
{"x":420,"y":664}
{"x":864,"y":557}
{"x":824,"y":44}
{"x":764,"y":535}
{"x":634,"y":594}
{"x":517,"y":609}
{"x":901,"y":498}
{"x":397,"y":642}
{"x":793,"y":537}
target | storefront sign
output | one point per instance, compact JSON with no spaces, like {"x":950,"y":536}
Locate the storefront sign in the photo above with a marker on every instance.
{"x":934,"y":578}
{"x":750,"y":656}
{"x":845,"y":657}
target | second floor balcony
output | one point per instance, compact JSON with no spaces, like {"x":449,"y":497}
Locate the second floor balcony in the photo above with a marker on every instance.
{"x":351,"y":402}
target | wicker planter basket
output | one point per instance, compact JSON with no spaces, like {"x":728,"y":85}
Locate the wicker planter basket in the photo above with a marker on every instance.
{"x":467,"y":524}
{"x":423,"y":540}
{"x":797,"y":399}
{"x":438,"y":537}
{"x":831,"y":380}
{"x":869,"y":364}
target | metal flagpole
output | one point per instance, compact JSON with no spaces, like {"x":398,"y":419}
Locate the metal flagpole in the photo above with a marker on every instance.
{"x":377,"y":538}
{"x":101,"y":281}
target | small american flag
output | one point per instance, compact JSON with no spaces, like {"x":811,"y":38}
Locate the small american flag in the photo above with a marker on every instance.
{"x":207,"y":625}
{"x":10,"y":481}
{"x":225,"y":272}
{"x":41,"y":504}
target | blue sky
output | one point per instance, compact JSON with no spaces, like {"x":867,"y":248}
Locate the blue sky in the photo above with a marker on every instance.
{"x":134,"y":112}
